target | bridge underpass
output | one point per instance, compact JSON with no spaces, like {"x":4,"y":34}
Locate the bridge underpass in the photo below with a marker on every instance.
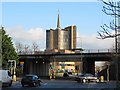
{"x":35,"y":64}
{"x":39,"y":64}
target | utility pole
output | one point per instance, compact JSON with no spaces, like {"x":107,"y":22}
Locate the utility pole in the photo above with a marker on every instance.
{"x":108,"y":72}
{"x":116,"y":47}
{"x":81,"y":59}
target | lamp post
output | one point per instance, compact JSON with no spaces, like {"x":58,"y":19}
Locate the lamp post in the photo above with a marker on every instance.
{"x":116,"y":47}
{"x":81,"y":51}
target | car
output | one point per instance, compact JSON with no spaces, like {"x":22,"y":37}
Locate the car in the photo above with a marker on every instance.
{"x":5,"y":78}
{"x":31,"y":80}
{"x":86,"y":77}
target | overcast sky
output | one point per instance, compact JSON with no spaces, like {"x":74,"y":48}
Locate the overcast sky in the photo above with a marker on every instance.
{"x":27,"y":22}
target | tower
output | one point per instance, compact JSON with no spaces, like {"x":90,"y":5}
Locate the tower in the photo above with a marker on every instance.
{"x":61,"y":39}
{"x":58,"y":21}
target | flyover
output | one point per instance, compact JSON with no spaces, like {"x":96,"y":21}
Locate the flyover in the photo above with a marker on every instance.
{"x":40,"y":63}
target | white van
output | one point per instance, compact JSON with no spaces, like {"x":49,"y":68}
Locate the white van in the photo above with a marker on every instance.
{"x":5,"y":77}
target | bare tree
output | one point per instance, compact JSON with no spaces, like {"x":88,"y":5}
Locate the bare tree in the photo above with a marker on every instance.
{"x":111,"y":8}
{"x":35,"y":46}
{"x":19,"y":47}
{"x":26,"y":48}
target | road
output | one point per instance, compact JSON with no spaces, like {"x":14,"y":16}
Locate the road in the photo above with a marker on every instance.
{"x":64,"y":84}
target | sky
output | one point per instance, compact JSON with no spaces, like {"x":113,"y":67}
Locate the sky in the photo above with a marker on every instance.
{"x":27,"y":22}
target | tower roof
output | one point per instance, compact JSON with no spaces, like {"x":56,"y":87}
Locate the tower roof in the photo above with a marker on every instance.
{"x":58,"y":21}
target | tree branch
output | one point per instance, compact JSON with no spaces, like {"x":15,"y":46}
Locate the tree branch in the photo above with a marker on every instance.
{"x":114,"y":10}
{"x":111,"y":8}
{"x":110,"y":3}
{"x":105,"y":36}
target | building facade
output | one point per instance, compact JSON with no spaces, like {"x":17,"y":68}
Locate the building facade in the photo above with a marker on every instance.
{"x":61,"y":39}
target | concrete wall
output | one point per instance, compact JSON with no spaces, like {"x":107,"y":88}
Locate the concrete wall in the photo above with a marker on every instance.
{"x":112,"y":71}
{"x":88,"y":65}
{"x":36,"y":67}
{"x":40,"y":68}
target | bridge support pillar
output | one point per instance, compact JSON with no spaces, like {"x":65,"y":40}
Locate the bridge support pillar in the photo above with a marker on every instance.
{"x":88,"y":66}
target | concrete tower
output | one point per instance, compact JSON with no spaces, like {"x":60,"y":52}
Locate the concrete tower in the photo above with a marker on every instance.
{"x":61,"y":39}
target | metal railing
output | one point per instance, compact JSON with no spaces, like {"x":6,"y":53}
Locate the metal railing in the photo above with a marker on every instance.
{"x":84,"y":51}
{"x":98,"y":51}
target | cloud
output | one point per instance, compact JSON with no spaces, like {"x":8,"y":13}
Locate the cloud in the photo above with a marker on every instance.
{"x":91,"y":42}
{"x":19,"y":34}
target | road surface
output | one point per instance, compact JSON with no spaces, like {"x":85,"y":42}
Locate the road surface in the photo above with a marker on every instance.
{"x":64,"y":84}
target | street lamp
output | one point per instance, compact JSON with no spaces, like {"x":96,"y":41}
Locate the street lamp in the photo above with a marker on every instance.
{"x":116,"y":47}
{"x":81,"y":51}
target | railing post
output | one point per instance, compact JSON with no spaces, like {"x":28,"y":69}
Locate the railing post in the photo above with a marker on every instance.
{"x":98,"y":50}
{"x":88,"y":51}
